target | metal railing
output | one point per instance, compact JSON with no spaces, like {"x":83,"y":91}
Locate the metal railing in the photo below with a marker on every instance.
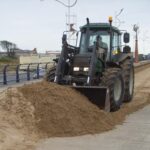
{"x":22,"y":72}
{"x":10,"y":74}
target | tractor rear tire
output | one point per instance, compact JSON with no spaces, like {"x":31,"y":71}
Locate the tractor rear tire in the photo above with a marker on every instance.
{"x":128,"y":70}
{"x":113,"y":79}
{"x":50,"y":74}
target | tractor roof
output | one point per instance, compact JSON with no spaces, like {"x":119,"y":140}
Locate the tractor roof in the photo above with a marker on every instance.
{"x":100,"y":26}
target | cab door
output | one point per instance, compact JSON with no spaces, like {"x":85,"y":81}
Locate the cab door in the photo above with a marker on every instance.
{"x":116,"y":43}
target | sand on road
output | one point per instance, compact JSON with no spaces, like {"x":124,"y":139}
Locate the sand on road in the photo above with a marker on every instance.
{"x":42,"y":110}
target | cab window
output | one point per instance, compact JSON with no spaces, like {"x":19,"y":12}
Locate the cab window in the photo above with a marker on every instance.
{"x":115,"y":43}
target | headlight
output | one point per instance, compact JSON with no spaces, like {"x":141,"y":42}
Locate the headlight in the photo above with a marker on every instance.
{"x":76,"y":69}
{"x":86,"y":69}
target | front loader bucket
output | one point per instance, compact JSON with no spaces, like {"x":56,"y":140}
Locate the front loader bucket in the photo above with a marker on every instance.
{"x":97,"y":95}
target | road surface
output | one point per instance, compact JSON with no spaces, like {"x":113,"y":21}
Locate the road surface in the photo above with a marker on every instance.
{"x":134,"y":134}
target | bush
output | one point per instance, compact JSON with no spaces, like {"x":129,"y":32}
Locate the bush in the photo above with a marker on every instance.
{"x":6,"y":59}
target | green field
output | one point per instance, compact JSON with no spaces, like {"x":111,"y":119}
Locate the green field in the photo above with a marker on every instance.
{"x":8,"y":60}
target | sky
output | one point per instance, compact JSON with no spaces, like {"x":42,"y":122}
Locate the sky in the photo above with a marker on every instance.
{"x":40,"y":23}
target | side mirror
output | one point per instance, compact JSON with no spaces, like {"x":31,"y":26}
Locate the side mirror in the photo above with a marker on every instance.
{"x":126,"y":37}
{"x":127,"y":49}
{"x":64,"y":38}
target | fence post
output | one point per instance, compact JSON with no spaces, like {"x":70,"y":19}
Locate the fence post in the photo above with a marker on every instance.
{"x":17,"y":73}
{"x":37,"y":71}
{"x":5,"y":74}
{"x":28,"y":72}
{"x":47,"y":65}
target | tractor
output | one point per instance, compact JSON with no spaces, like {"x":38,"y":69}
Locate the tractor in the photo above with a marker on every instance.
{"x":101,"y":67}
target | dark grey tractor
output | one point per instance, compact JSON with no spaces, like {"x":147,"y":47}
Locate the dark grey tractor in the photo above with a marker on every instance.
{"x":101,"y":67}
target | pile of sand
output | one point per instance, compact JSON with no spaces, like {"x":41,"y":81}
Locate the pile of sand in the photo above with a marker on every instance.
{"x":44,"y":109}
{"x":62,"y":111}
{"x":47,"y":110}
{"x":16,"y":122}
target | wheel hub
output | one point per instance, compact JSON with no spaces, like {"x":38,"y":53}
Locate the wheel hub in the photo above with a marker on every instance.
{"x":117,"y":90}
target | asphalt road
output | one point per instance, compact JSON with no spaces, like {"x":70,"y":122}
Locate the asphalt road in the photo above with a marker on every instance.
{"x":134,"y":134}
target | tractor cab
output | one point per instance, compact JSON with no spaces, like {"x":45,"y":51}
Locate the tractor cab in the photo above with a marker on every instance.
{"x":106,"y":36}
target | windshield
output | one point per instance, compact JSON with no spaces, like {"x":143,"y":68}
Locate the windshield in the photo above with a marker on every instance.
{"x":88,"y":42}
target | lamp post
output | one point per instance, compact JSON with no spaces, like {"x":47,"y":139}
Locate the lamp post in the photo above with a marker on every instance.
{"x":135,"y":29}
{"x":69,"y":5}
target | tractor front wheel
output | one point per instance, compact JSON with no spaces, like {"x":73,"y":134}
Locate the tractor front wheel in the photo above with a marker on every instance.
{"x":50,"y":74}
{"x":113,"y":79}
